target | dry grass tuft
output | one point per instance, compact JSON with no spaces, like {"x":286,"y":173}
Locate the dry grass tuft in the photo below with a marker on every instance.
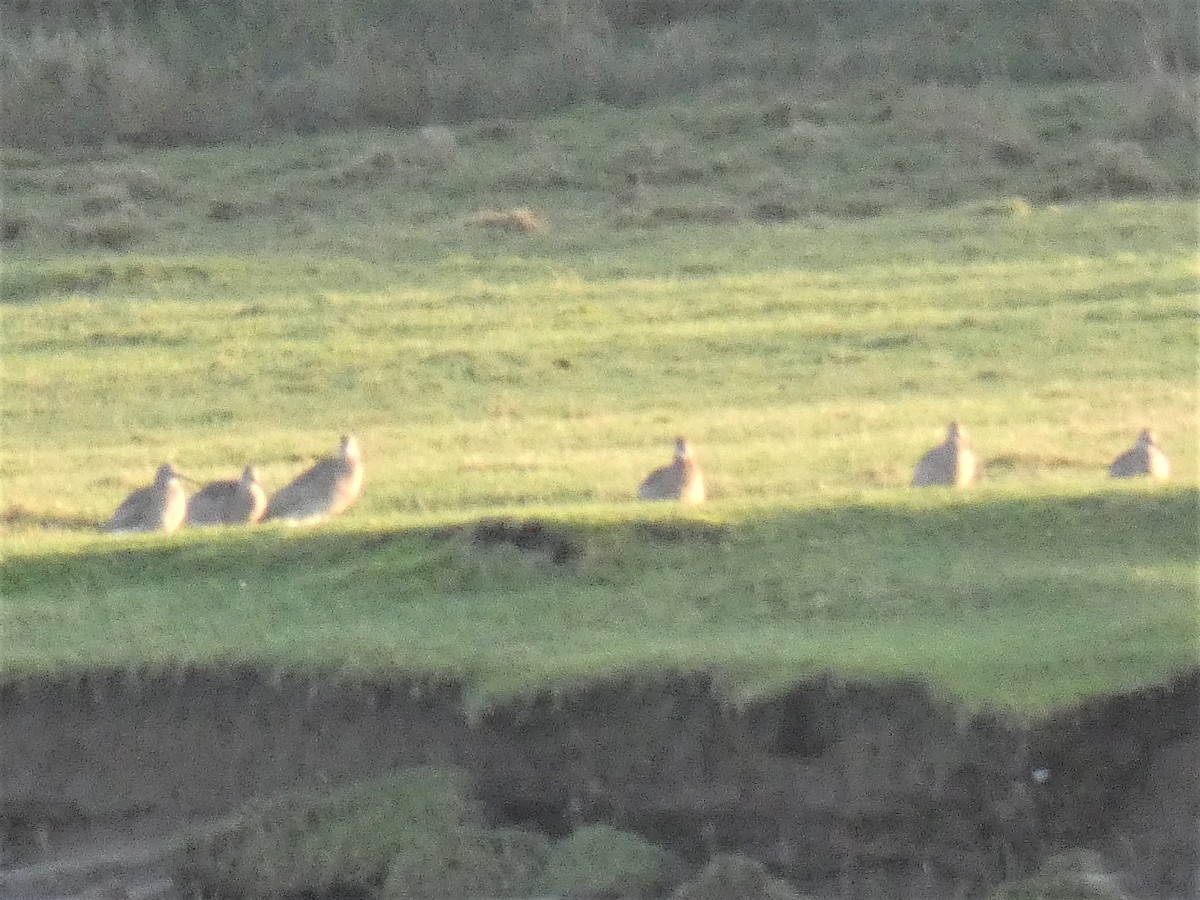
{"x":804,"y":137}
{"x":105,"y":198}
{"x":1123,"y":168}
{"x":968,"y":120}
{"x":12,"y":227}
{"x":1165,"y":108}
{"x":495,"y":130}
{"x":715,"y":212}
{"x":375,"y":166}
{"x":520,"y":221}
{"x":116,"y":230}
{"x":1001,"y":208}
{"x":778,"y":198}
{"x":435,"y":148}
{"x":144,"y":183}
{"x":225,"y":210}
{"x":661,"y":162}
{"x":788,"y":112}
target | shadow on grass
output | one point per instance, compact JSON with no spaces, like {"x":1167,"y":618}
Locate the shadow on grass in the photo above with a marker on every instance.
{"x":1158,"y":526}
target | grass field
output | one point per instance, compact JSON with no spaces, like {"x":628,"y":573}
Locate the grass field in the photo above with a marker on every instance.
{"x":264,"y":300}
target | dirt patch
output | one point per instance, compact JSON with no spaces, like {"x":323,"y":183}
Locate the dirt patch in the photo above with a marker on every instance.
{"x":842,"y":789}
{"x":559,"y":545}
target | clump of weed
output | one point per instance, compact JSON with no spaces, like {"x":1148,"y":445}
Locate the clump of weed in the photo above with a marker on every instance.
{"x":543,"y":168}
{"x":778,"y":198}
{"x":435,"y":147}
{"x":1074,"y":875}
{"x":723,"y":121}
{"x":600,"y":859}
{"x":12,"y":226}
{"x":87,"y":88}
{"x":1164,"y":108}
{"x":144,"y":183}
{"x":116,"y":230}
{"x":494,"y":130}
{"x":360,"y":86}
{"x":790,"y":112}
{"x":860,"y":204}
{"x":967,"y":120}
{"x":661,"y":161}
{"x":784,"y":112}
{"x":226,"y":210}
{"x":465,"y":862}
{"x":520,"y":221}
{"x":714,"y":212}
{"x":733,"y":875}
{"x":1001,"y":208}
{"x":1123,"y":168}
{"x":373,"y":167}
{"x":803,"y":137}
{"x":105,"y":198}
{"x":409,"y":835}
{"x":347,"y":837}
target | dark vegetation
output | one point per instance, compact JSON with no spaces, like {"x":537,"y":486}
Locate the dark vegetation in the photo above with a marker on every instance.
{"x":205,"y":71}
{"x":632,"y":787}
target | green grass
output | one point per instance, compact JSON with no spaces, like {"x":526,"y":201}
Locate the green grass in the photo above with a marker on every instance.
{"x":1017,"y":602}
{"x":542,"y":375}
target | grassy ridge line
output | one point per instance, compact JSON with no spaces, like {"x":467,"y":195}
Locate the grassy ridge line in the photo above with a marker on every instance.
{"x":1021,"y":602}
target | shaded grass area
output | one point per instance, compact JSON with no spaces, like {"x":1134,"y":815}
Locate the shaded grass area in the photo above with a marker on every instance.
{"x":1015,"y":601}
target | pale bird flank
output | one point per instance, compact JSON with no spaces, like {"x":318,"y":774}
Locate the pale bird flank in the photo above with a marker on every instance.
{"x":950,"y":463}
{"x":681,"y":480}
{"x":325,"y":490}
{"x":240,"y":502}
{"x":1143,"y":458}
{"x":158,"y":507}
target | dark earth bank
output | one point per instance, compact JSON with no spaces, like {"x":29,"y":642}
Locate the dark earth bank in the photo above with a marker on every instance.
{"x":846,"y":789}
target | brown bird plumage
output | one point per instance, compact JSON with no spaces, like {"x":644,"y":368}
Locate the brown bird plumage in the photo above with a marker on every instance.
{"x":1143,"y":458}
{"x":325,"y":490}
{"x":158,"y":507}
{"x":240,"y":502}
{"x":681,"y":480}
{"x":949,"y":463}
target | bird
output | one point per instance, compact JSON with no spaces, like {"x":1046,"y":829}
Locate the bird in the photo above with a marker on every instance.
{"x":240,"y":502}
{"x":949,"y":463}
{"x":159,"y":507}
{"x":326,"y":489}
{"x":681,"y":480}
{"x":1143,"y":458}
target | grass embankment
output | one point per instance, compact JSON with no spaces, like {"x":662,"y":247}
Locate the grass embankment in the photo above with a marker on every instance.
{"x":1007,"y":598}
{"x":542,"y":374}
